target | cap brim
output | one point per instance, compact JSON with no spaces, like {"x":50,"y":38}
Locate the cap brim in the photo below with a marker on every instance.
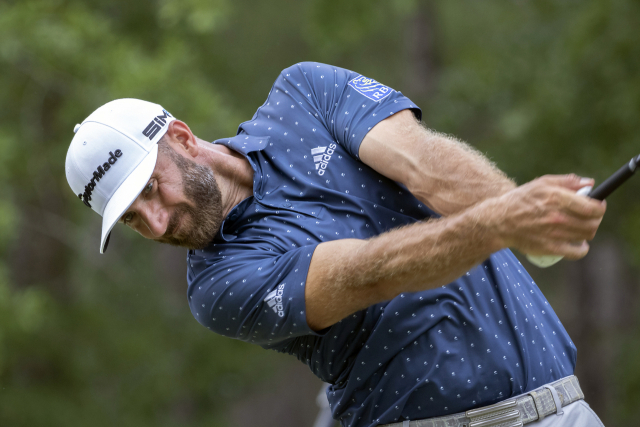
{"x":126,"y":194}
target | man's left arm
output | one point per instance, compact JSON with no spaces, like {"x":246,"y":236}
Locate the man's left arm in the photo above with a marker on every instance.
{"x":446,"y":174}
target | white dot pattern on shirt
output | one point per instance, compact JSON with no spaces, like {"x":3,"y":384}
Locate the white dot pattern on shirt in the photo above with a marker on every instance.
{"x":267,"y":223}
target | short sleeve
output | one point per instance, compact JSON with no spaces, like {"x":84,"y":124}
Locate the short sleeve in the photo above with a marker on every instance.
{"x":350,"y":104}
{"x":248,"y":294}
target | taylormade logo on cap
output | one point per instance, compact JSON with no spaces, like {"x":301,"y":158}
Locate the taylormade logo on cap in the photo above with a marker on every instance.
{"x":113,"y":154}
{"x":97,"y":174}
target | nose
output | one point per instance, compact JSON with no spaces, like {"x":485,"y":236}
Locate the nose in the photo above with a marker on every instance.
{"x":152,"y":220}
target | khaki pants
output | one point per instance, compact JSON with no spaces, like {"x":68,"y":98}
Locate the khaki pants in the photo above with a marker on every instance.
{"x":577,"y":414}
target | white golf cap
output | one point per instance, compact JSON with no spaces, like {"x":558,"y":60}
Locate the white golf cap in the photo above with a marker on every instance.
{"x":112,"y":157}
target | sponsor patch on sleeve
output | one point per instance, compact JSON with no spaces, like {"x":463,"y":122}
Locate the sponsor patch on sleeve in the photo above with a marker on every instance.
{"x":370,"y":88}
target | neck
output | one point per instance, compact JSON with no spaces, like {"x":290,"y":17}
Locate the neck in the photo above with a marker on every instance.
{"x":232,"y":171}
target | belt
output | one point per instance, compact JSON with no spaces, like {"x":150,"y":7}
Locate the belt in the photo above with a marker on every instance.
{"x":514,"y":412}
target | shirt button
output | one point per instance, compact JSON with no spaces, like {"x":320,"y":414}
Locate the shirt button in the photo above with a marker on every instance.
{"x":286,"y":205}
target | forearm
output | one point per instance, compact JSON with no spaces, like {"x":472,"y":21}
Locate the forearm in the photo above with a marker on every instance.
{"x":422,"y":256}
{"x":358,"y":273}
{"x":447,"y":175}
{"x":451,"y":176}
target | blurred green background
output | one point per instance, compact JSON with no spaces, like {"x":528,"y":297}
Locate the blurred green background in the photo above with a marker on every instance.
{"x":540,"y":87}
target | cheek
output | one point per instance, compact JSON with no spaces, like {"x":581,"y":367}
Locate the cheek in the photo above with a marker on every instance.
{"x":171,"y":195}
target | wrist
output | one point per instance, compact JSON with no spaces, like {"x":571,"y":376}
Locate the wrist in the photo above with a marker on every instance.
{"x":487,"y":220}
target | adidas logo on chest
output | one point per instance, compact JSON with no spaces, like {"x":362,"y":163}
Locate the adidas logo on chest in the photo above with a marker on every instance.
{"x":321,"y":157}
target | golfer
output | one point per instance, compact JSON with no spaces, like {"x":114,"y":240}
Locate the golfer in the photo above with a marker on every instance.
{"x":335,"y":228}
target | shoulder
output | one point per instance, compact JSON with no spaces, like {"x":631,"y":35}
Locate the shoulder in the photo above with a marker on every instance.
{"x":311,"y":71}
{"x":306,"y":66}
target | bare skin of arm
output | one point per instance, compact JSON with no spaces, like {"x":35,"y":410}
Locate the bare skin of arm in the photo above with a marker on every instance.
{"x":442,"y":172}
{"x":541,"y":217}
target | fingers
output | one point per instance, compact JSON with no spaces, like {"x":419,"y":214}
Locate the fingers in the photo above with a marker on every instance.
{"x":572,"y":251}
{"x":581,"y":206}
{"x":562,"y":194}
{"x":570,"y":181}
{"x":569,"y":229}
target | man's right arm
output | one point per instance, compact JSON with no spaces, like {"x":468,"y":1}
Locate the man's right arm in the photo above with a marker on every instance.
{"x":541,"y":217}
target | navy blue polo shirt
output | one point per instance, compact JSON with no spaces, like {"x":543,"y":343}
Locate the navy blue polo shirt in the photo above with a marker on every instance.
{"x":484,"y":337}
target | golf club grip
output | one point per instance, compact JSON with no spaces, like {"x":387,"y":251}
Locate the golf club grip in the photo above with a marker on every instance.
{"x":603,"y":190}
{"x":599,"y":193}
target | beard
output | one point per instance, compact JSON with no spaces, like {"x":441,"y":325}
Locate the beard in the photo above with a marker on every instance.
{"x":194,"y":225}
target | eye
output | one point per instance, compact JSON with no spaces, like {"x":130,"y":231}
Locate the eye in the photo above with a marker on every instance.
{"x":148,"y":188}
{"x":127,"y":218}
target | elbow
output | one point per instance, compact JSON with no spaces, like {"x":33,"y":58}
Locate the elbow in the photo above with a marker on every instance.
{"x":423,"y":187}
{"x":412,"y":177}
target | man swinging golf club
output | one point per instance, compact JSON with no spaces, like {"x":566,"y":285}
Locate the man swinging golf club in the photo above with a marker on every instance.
{"x":335,"y":228}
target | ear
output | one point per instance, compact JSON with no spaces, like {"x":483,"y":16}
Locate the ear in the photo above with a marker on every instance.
{"x":182,"y":139}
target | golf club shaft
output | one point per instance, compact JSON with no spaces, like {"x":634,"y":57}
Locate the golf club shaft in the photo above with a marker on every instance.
{"x":614,"y":181}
